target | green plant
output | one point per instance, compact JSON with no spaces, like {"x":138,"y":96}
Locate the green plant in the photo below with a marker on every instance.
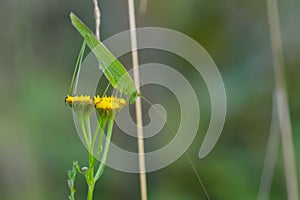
{"x":106,"y":108}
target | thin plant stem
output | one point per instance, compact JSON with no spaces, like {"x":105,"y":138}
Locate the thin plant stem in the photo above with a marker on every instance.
{"x":72,"y":196}
{"x":91,"y":182}
{"x":97,"y":16}
{"x":81,"y":121}
{"x":96,"y":133}
{"x":90,"y":177}
{"x":106,"y":148}
{"x":102,"y":129}
{"x":90,"y":192}
{"x":90,"y":173}
{"x":89,"y":133}
{"x":270,"y":157}
{"x":138,"y":105}
{"x":282,"y":102}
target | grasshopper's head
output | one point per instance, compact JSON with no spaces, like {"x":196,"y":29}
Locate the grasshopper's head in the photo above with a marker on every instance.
{"x":134,"y":97}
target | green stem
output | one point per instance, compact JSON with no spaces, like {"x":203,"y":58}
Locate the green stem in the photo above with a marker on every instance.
{"x":72,"y":197}
{"x":89,"y":176}
{"x":81,"y":120}
{"x":96,"y":132}
{"x":90,"y":181}
{"x":102,"y":126}
{"x":106,"y":148}
{"x":90,"y":192}
{"x":89,"y":133}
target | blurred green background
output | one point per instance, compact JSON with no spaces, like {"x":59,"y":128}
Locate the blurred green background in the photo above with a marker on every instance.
{"x":38,"y":140}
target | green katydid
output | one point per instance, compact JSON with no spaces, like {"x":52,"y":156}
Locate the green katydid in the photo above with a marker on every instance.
{"x":114,"y":71}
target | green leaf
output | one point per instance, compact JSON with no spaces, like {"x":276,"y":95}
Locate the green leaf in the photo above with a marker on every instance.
{"x":114,"y":71}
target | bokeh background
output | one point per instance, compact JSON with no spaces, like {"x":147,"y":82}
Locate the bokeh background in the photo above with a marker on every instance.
{"x":38,"y":140}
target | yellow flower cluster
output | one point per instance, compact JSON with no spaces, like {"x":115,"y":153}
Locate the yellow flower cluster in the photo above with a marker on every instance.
{"x":106,"y":105}
{"x":78,"y":99}
{"x":80,"y":103}
{"x":109,"y":103}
